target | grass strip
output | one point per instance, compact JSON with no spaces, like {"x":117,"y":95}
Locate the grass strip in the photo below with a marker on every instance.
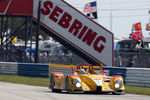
{"x":25,"y":80}
{"x":45,"y":82}
{"x":138,"y":90}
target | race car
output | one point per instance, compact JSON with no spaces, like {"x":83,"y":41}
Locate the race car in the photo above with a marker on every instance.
{"x":85,"y":78}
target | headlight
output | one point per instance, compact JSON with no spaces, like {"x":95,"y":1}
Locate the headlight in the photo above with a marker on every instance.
{"x":118,"y":84}
{"x":76,"y":83}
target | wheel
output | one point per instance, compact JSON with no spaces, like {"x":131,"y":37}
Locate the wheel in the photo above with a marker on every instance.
{"x":52,"y":84}
{"x":67,"y":86}
{"x":118,"y":93}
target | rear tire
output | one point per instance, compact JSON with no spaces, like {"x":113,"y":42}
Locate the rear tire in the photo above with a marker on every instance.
{"x":52,"y":84}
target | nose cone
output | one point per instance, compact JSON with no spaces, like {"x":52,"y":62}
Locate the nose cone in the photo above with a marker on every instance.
{"x":91,"y":82}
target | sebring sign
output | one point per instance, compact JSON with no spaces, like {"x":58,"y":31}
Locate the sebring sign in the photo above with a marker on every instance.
{"x":74,"y":27}
{"x":68,"y":24}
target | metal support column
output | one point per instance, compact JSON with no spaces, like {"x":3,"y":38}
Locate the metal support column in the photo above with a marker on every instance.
{"x":1,"y":37}
{"x":6,"y":35}
{"x":37,"y":34}
{"x":1,"y":31}
{"x":30,"y":32}
{"x":26,"y":38}
{"x":10,"y":58}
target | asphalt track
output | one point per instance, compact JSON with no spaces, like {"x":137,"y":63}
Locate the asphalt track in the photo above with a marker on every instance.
{"x":10,"y":91}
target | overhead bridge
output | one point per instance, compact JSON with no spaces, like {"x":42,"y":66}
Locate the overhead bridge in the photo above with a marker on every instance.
{"x":68,"y":26}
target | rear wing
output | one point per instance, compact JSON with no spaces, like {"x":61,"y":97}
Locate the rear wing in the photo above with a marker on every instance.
{"x":51,"y":66}
{"x":73,"y":66}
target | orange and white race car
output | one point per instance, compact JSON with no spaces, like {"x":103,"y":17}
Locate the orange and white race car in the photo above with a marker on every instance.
{"x":82,"y":80}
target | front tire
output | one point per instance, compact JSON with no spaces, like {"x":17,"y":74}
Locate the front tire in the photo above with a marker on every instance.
{"x":67,"y":86}
{"x":118,"y":93}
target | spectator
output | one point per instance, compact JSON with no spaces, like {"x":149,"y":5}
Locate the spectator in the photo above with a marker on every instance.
{"x":60,"y":56}
{"x":131,"y":61}
{"x":148,"y":62}
{"x":119,"y":60}
{"x":69,"y":58}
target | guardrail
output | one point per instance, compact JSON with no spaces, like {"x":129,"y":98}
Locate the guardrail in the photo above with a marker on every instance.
{"x":138,"y":77}
{"x":8,"y":68}
{"x":132,"y":76}
{"x":33,"y":70}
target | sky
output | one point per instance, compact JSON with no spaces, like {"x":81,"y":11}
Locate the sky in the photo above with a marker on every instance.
{"x":118,"y":16}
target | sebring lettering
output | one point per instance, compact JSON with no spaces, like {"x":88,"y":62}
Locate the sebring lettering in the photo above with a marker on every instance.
{"x":77,"y":29}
